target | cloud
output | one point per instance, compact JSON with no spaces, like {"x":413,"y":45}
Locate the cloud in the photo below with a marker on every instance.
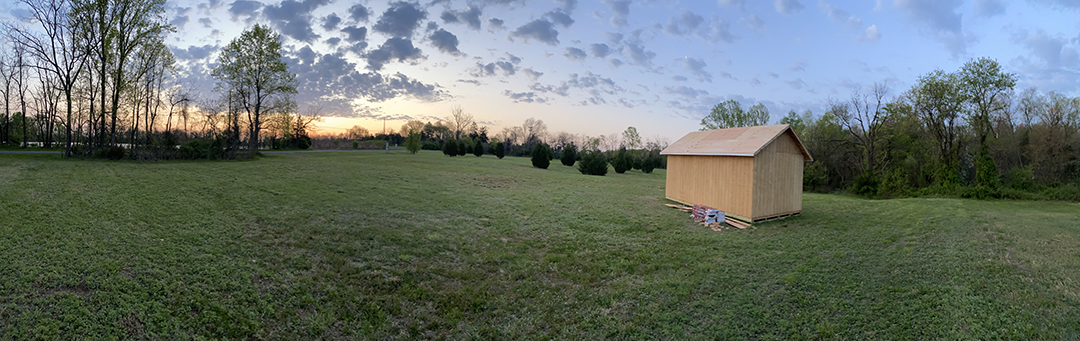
{"x":685,"y":24}
{"x":359,"y":13}
{"x":558,"y":17}
{"x":685,"y":91}
{"x":524,"y":97}
{"x":293,"y":19}
{"x":244,"y":8}
{"x":599,"y":50}
{"x":195,"y":52}
{"x":788,"y":6}
{"x":753,"y":22}
{"x":939,"y":19}
{"x":839,"y":15}
{"x":445,"y":42}
{"x":330,"y":22}
{"x":635,"y":49}
{"x":796,"y":84}
{"x":333,"y":82}
{"x":1054,"y":51}
{"x":989,"y":8}
{"x":740,"y":4}
{"x":568,"y":6}
{"x":593,"y":86}
{"x":401,"y":19}
{"x":616,"y":62}
{"x":532,"y":74}
{"x":678,"y":78}
{"x":871,"y":35}
{"x":799,"y":66}
{"x":206,"y":22}
{"x":470,"y":81}
{"x":496,"y":24}
{"x":470,"y":16}
{"x":355,"y":34}
{"x":696,"y":68}
{"x":1068,"y":4}
{"x":622,"y":11}
{"x":507,"y":67}
{"x":180,"y":21}
{"x":573,"y":53}
{"x":540,"y":30}
{"x":397,"y":48}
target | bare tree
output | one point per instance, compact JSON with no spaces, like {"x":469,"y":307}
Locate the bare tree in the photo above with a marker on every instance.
{"x":55,"y":50}
{"x":460,"y":122}
{"x":863,"y":116}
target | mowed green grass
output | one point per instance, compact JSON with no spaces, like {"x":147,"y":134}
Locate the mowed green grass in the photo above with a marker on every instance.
{"x":382,"y":245}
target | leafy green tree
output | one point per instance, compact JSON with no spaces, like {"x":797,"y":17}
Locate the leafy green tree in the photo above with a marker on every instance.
{"x":252,"y":70}
{"x":450,"y":147}
{"x":593,"y":163}
{"x":622,"y":161}
{"x":499,"y":150}
{"x":478,"y":148}
{"x":412,"y":143}
{"x":541,"y":156}
{"x":461,"y":151}
{"x":631,"y":138}
{"x":986,"y":88}
{"x":730,"y":114}
{"x":569,"y":155}
{"x":937,"y":100}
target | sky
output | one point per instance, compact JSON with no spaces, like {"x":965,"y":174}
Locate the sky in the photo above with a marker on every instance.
{"x":598,"y":67}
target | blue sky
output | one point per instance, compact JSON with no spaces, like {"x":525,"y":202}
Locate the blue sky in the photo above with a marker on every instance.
{"x":597,"y":67}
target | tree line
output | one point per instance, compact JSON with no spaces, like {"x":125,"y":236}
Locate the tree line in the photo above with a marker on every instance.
{"x":968,"y":132}
{"x":95,"y":77}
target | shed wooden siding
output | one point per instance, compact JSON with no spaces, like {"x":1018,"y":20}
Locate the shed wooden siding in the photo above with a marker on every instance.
{"x":778,"y":177}
{"x":722,"y":182}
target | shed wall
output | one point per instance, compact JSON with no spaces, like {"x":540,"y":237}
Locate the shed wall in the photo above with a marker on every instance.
{"x":778,"y":177}
{"x":722,"y":182}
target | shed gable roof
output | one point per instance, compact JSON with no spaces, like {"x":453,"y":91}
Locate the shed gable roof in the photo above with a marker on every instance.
{"x":740,"y":141}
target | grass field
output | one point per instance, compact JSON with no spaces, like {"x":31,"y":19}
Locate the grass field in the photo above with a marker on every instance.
{"x":398,"y":246}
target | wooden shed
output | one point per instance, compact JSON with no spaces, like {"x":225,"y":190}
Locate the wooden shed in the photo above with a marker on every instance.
{"x":750,"y":173}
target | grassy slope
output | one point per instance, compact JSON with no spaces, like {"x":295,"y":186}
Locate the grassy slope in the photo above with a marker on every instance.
{"x":375,"y":245}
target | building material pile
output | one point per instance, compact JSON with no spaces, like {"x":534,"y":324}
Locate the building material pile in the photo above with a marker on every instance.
{"x":713,"y":218}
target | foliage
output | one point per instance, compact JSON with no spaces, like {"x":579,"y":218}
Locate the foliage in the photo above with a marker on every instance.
{"x":730,"y":114}
{"x":478,"y":148}
{"x":569,"y":155}
{"x":450,"y":147}
{"x":499,"y":150}
{"x":593,"y":163}
{"x":462,"y":148}
{"x":412,"y":143}
{"x":252,"y":71}
{"x":622,"y":161}
{"x":541,"y":156}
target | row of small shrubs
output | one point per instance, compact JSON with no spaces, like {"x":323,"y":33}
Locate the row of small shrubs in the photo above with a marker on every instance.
{"x":460,"y":148}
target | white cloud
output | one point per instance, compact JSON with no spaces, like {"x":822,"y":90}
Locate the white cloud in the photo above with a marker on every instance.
{"x":788,"y":6}
{"x":871,"y":35}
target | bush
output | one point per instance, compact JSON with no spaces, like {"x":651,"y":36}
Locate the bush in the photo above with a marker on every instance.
{"x":541,"y":156}
{"x":430,"y":145}
{"x":450,"y":147}
{"x":593,"y":163}
{"x":355,"y":144}
{"x":865,"y":185}
{"x":648,"y":163}
{"x":111,"y":153}
{"x":622,"y":161}
{"x":500,"y":150}
{"x":478,"y":148}
{"x":569,"y":155}
{"x":461,"y":148}
{"x":192,"y":150}
{"x":412,"y":143}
